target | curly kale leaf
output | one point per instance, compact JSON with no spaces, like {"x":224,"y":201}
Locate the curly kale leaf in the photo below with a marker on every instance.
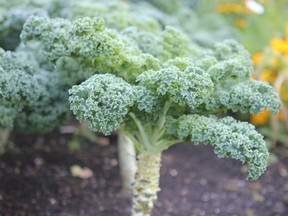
{"x":227,"y":73}
{"x":12,"y":23}
{"x":96,"y":48}
{"x":166,"y":45}
{"x":50,"y":110}
{"x":15,"y":12}
{"x":117,"y":14}
{"x":53,"y":35}
{"x":185,"y":87}
{"x":7,"y":115}
{"x":247,"y":97}
{"x":229,"y":49}
{"x":230,"y":68}
{"x":253,"y":96}
{"x":146,"y":99}
{"x":103,"y":100}
{"x":17,"y":87}
{"x":231,"y":138}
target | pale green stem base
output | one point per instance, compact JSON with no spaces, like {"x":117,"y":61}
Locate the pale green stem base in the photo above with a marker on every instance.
{"x":4,"y":136}
{"x":127,"y":161}
{"x":146,"y":184}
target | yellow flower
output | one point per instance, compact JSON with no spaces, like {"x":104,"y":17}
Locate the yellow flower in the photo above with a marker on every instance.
{"x":232,"y":8}
{"x":279,"y":46}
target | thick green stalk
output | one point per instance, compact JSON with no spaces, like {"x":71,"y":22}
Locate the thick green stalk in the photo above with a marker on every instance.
{"x":146,"y":184}
{"x":127,"y":161}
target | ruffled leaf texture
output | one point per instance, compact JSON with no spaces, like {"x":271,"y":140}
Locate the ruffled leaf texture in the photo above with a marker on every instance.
{"x":18,"y":87}
{"x":96,"y":48}
{"x":50,"y":110}
{"x":103,"y":100}
{"x":230,"y":68}
{"x":184,"y":87}
{"x":15,"y":12}
{"x":230,"y":138}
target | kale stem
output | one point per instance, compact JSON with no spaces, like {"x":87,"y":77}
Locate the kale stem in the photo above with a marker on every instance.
{"x":143,"y":134}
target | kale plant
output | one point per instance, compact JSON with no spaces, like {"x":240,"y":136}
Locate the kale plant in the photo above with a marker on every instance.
{"x":155,"y":89}
{"x":18,"y":89}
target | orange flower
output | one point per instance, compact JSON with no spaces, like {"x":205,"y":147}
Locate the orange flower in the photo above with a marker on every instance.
{"x":240,"y":23}
{"x":261,"y":118}
{"x":257,"y":57}
{"x":275,"y":62}
{"x":279,"y":46}
{"x":268,"y":76}
{"x":265,"y":75}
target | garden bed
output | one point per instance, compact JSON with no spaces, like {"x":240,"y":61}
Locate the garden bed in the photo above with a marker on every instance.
{"x":36,"y":180}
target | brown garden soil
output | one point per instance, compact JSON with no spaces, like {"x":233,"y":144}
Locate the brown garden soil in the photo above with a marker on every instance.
{"x":35,"y":180}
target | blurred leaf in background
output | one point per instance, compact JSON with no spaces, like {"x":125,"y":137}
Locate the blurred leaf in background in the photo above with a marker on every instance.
{"x":257,"y":21}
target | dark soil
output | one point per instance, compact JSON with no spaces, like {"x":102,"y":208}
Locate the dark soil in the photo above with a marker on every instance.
{"x":35,"y":180}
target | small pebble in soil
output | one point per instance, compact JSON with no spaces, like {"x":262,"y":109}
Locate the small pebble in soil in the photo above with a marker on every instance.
{"x":205,"y":197}
{"x":173,"y":172}
{"x":217,"y":211}
{"x":101,"y":208}
{"x":283,"y":172}
{"x":203,"y":181}
{"x":16,"y":171}
{"x":114,"y":162}
{"x":103,"y":141}
{"x":184,"y":192}
{"x":199,"y":212}
{"x":52,"y":201}
{"x":257,"y":197}
{"x":38,"y":161}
